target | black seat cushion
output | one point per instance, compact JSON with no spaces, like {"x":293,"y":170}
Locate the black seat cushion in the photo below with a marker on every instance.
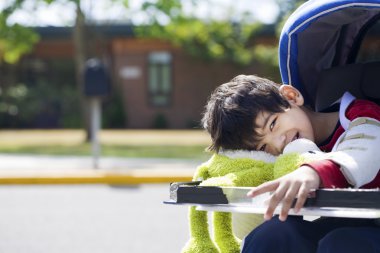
{"x":362,"y":80}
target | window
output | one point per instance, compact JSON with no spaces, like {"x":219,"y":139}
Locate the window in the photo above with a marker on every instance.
{"x":160,"y":78}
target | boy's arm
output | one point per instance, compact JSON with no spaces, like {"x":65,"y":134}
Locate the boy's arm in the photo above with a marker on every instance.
{"x":357,"y":151}
{"x":354,"y":159}
{"x":329,"y":173}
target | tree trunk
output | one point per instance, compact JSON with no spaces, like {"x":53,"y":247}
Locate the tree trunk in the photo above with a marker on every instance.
{"x":80,"y":56}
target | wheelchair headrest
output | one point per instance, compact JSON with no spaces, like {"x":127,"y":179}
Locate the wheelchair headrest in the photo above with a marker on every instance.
{"x":362,"y":80}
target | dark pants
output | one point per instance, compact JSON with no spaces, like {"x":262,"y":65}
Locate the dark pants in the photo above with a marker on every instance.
{"x":325,"y":235}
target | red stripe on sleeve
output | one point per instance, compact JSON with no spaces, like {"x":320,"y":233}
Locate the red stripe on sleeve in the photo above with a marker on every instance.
{"x":329,"y":173}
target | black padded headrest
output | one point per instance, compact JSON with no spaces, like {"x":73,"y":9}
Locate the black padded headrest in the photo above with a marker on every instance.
{"x":362,"y":80}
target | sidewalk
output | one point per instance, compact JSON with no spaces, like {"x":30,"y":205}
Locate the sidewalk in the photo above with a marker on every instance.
{"x":39,"y":169}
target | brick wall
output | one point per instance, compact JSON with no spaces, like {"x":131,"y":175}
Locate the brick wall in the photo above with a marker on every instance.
{"x":193,"y":81}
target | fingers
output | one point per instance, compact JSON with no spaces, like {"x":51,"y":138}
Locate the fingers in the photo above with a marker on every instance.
{"x":286,"y":189}
{"x":275,"y":199}
{"x":263,"y":188}
{"x":288,"y":200}
{"x":283,"y":193}
{"x":303,"y":194}
{"x":286,"y":196}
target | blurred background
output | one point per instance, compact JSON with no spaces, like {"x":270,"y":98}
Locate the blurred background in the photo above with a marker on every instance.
{"x":150,"y":66}
{"x":163,"y":58}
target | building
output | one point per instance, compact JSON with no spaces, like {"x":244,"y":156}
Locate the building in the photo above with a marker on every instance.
{"x":160,"y":85}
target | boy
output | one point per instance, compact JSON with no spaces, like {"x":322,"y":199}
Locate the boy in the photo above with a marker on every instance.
{"x":254,"y":113}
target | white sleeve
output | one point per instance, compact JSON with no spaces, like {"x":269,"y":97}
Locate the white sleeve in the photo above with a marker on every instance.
{"x":357,"y":151}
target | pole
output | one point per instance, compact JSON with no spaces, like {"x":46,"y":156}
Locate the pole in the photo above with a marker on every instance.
{"x":95,"y":127}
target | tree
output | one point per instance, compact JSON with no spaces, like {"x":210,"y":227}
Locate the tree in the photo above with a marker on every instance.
{"x":230,"y":39}
{"x":286,"y":8}
{"x":15,"y":40}
{"x":225,"y":40}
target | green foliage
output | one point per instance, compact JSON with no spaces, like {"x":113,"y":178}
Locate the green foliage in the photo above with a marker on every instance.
{"x":69,"y":105}
{"x":14,"y":102}
{"x":15,"y":40}
{"x":9,"y":105}
{"x":287,"y":7}
{"x":28,"y":98}
{"x":223,"y":40}
{"x":267,"y":55}
{"x":40,"y":106}
{"x":24,"y":106}
{"x":113,"y":114}
{"x":52,"y":1}
{"x":160,"y":122}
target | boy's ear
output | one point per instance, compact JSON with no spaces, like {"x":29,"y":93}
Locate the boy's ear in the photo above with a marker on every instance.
{"x":291,"y":94}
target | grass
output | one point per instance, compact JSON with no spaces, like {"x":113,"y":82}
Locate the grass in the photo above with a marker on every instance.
{"x":189,"y":144}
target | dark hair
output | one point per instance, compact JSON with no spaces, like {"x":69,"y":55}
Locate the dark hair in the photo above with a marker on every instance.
{"x":233,"y":108}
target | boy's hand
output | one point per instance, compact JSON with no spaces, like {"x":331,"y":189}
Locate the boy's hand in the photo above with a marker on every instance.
{"x":296,"y":184}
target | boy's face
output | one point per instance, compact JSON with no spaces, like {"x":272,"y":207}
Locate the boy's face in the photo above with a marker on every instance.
{"x":279,"y":129}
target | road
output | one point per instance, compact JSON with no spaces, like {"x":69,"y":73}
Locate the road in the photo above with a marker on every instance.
{"x":90,"y":219}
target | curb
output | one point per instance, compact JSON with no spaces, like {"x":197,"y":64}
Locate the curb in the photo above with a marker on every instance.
{"x":132,"y":177}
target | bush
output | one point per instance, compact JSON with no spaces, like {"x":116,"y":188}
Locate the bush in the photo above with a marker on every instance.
{"x":160,"y":122}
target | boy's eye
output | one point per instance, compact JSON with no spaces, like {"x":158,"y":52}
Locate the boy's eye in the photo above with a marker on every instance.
{"x":262,"y":148}
{"x":272,"y":124}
